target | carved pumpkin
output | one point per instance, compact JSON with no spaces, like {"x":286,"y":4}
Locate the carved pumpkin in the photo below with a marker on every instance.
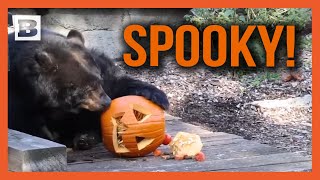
{"x":132,"y":126}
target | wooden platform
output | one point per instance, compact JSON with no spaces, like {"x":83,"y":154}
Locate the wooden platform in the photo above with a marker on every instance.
{"x":224,"y":152}
{"x":28,"y":153}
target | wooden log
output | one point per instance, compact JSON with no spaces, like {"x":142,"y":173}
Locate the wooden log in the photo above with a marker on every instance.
{"x":28,"y":153}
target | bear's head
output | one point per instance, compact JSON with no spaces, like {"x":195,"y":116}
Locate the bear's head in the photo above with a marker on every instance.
{"x":69,"y":78}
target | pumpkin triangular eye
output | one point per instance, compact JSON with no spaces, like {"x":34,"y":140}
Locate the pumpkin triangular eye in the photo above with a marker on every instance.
{"x":139,"y":115}
{"x":118,"y":116}
{"x":139,"y":139}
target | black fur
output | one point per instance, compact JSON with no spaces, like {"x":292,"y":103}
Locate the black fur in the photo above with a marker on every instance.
{"x":117,"y":84}
{"x":58,"y":88}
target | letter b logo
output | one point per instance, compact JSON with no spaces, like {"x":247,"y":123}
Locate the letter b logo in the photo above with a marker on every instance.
{"x":27,"y":27}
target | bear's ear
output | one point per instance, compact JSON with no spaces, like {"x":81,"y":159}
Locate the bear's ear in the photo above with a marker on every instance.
{"x":44,"y":60}
{"x":76,"y":37}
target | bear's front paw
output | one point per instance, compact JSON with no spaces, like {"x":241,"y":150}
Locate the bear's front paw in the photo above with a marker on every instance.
{"x":157,"y":96}
{"x":85,"y":141}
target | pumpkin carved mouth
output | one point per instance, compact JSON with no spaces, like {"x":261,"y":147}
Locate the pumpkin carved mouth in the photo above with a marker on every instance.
{"x":120,"y":128}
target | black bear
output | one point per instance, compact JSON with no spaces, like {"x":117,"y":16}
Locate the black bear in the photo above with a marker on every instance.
{"x":58,"y":88}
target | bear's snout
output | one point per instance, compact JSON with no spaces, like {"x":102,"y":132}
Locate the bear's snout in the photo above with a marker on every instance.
{"x":106,"y":101}
{"x":96,"y":101}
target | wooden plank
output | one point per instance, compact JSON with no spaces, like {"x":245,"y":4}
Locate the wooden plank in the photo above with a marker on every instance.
{"x":215,"y":139}
{"x":232,"y":163}
{"x":191,"y":166}
{"x":169,"y":117}
{"x":29,"y":153}
{"x":207,"y":142}
{"x":224,"y":152}
{"x":173,"y":127}
{"x":96,"y":153}
{"x":212,"y":153}
{"x":286,"y":167}
{"x":176,"y":126}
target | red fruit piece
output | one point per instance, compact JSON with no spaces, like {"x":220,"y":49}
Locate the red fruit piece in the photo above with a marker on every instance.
{"x":157,"y":152}
{"x":200,"y":157}
{"x":167,"y":139}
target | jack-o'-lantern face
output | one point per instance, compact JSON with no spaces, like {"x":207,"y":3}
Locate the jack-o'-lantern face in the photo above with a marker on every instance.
{"x":133,"y":126}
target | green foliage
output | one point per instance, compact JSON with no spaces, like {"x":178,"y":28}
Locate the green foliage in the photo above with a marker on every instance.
{"x":300,"y":17}
{"x":203,"y":17}
{"x":306,"y":42}
{"x":261,"y":77}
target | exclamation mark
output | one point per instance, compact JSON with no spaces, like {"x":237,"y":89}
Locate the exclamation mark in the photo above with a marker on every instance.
{"x":290,"y":45}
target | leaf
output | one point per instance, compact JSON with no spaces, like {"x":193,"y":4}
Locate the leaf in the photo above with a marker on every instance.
{"x":242,"y":18}
{"x":229,"y":12}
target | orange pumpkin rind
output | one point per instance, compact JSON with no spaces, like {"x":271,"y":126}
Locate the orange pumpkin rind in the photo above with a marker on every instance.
{"x":132,"y":126}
